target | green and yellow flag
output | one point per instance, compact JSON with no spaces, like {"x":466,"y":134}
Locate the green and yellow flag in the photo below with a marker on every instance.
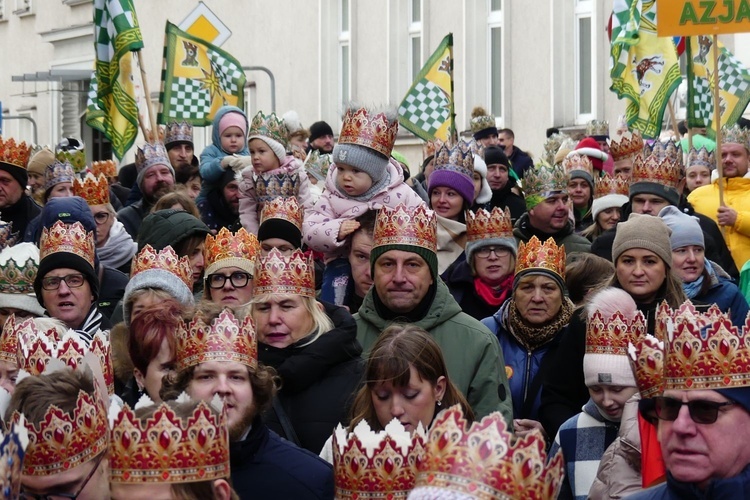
{"x":427,"y":109}
{"x":197,"y":79}
{"x":644,"y":67}
{"x":112,"y":107}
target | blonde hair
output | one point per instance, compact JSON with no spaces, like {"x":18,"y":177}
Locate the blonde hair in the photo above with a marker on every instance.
{"x":321,"y":322}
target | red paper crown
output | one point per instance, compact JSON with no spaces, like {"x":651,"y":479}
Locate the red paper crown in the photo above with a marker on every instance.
{"x":404,"y":226}
{"x":149,"y":259}
{"x":67,"y":238}
{"x":485,"y":461}
{"x":9,"y":340}
{"x":611,"y":335}
{"x":287,"y":209}
{"x":227,"y":338}
{"x":166,"y":449}
{"x":627,"y":147}
{"x":535,"y":255}
{"x":107,"y":168}
{"x":292,"y":275}
{"x":372,"y":131}
{"x":646,"y":355}
{"x":225,"y":248}
{"x":658,"y":171}
{"x":14,"y":154}
{"x":488,"y":225}
{"x":605,"y":185}
{"x":92,"y":189}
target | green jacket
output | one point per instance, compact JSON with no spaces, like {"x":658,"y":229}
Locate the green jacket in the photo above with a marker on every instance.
{"x":472,"y":354}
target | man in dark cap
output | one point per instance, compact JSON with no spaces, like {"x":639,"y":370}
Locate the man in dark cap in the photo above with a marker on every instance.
{"x":321,"y":138}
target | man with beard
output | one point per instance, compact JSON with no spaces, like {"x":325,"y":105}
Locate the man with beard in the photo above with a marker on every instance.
{"x":224,"y":363}
{"x":155,"y":179}
{"x":221,"y":206}
{"x":321,"y":138}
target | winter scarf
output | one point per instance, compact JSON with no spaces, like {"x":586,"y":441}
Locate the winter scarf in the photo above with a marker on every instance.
{"x":119,"y":247}
{"x":533,"y":337}
{"x":491,"y":295}
{"x":693,"y":289}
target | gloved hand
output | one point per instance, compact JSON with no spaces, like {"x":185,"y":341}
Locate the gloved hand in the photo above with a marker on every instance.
{"x":239,"y":163}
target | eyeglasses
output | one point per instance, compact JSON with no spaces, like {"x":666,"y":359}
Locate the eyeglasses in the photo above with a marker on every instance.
{"x":101,"y":217}
{"x":238,"y":279}
{"x":701,"y":411}
{"x":72,"y":280}
{"x":64,"y":496}
{"x":485,"y":252}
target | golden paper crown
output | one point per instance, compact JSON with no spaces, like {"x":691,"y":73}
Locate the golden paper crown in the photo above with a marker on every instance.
{"x":485,"y":461}
{"x":107,"y":168}
{"x":12,"y":452}
{"x":651,"y":169}
{"x":702,"y":157}
{"x":57,"y":173}
{"x":292,"y":275}
{"x":240,"y":247}
{"x":62,"y":441}
{"x":544,"y":179}
{"x":67,"y":238}
{"x":552,"y":146}
{"x":94,"y":190}
{"x":166,"y":449}
{"x":76,"y":156}
{"x":646,"y":355}
{"x":287,"y":209}
{"x":431,"y":147}
{"x":280,"y":185}
{"x":607,"y":184}
{"x":227,"y":338}
{"x":576,"y":161}
{"x":627,"y":147}
{"x":479,"y":123}
{"x":372,"y":465}
{"x":269,"y":126}
{"x":149,"y":259}
{"x":151,"y":154}
{"x":475,"y":148}
{"x":703,"y":350}
{"x":458,"y":158}
{"x":371,"y":130}
{"x":178,"y":132}
{"x":535,"y":255}
{"x":735,"y":134}
{"x":597,"y":128}
{"x":404,"y":226}
{"x":664,"y":149}
{"x":611,"y":335}
{"x":488,"y":225}
{"x":15,"y":279}
{"x":14,"y":154}
{"x":9,"y":341}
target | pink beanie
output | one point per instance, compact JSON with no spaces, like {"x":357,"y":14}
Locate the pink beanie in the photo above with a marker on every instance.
{"x":233,"y":119}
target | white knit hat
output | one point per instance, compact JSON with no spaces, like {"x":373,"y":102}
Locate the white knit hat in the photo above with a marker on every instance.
{"x":485,"y":194}
{"x":607,"y":201}
{"x":21,"y":263}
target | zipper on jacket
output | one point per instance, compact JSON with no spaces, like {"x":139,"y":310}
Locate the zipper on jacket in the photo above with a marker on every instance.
{"x":526,"y":378}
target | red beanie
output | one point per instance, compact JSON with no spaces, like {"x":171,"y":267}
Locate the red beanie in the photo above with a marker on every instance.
{"x":591,"y":148}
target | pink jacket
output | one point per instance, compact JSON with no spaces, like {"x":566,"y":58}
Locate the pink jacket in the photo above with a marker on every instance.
{"x":250,"y":206}
{"x":322,"y":221}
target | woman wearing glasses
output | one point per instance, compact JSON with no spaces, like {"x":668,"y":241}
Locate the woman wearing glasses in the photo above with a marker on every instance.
{"x":230,"y":262}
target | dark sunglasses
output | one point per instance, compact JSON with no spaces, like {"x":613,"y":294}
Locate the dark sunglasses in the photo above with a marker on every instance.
{"x":701,"y":411}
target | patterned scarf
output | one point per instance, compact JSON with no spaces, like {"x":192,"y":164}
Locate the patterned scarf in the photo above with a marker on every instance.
{"x":533,"y":337}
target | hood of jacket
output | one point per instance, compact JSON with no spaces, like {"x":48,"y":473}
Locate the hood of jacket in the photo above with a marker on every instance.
{"x":169,"y":227}
{"x":216,"y":137}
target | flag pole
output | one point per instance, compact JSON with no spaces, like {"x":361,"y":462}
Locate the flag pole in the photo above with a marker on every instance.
{"x":454,"y":133}
{"x":149,"y":106}
{"x":673,"y":118}
{"x":717,"y":121}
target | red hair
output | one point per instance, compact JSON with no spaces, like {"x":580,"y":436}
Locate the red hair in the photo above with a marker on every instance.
{"x":149,"y":328}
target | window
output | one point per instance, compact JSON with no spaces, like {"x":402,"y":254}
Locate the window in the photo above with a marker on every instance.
{"x":3,"y":16}
{"x":24,"y":8}
{"x":415,"y":38}
{"x":344,"y":52}
{"x":584,"y":60}
{"x":495,"y":56}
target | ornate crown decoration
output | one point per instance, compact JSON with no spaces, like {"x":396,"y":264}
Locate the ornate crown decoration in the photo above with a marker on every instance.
{"x":292,"y":275}
{"x":368,"y":464}
{"x":58,"y":172}
{"x":429,"y":148}
{"x":281,"y":185}
{"x":485,"y":461}
{"x":475,"y":148}
{"x":9,"y":341}
{"x":178,"y":132}
{"x":607,"y":184}
{"x":7,"y":237}
{"x":627,"y":147}
{"x":404,"y":226}
{"x":107,"y":168}
{"x":597,"y":127}
{"x":458,"y":158}
{"x":62,"y":441}
{"x":543,"y":180}
{"x":270,"y":126}
{"x":318,"y":164}
{"x":666,"y":149}
{"x":658,"y":171}
{"x":68,"y":238}
{"x":535,"y":255}
{"x":14,"y":154}
{"x":225,"y":246}
{"x":576,"y":161}
{"x":552,"y":146}
{"x":701,"y":157}
{"x":227,"y":338}
{"x":735,"y":134}
{"x":488,"y":225}
{"x":287,"y":209}
{"x":15,"y":279}
{"x":166,"y":449}
{"x":479,"y":123}
{"x":12,"y":451}
{"x":94,"y":190}
{"x":76,"y":158}
{"x":372,"y":131}
{"x":149,"y":259}
{"x":151,"y":154}
{"x":611,"y":335}
{"x":646,"y":355}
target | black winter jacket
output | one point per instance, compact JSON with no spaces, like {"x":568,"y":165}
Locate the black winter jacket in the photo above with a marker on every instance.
{"x":461,"y":285}
{"x":506,"y":198}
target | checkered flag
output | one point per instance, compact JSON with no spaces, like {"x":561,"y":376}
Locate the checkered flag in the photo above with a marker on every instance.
{"x":702,"y":104}
{"x":426,"y":106}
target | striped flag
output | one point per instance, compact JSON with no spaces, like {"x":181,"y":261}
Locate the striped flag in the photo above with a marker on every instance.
{"x":197,"y":79}
{"x":427,"y":109}
{"x":112,"y":106}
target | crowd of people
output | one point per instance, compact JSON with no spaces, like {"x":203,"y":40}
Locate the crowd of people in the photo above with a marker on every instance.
{"x":294,"y":315}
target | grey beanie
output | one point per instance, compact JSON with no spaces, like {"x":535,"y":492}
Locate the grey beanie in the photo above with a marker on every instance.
{"x":160,"y":279}
{"x":661,"y":190}
{"x":643,"y":231}
{"x":473,"y":246}
{"x":365,"y":159}
{"x":685,"y":228}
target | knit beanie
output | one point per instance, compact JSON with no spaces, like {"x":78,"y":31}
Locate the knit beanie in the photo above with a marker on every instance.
{"x":685,"y":228}
{"x":578,"y":166}
{"x":40,"y":160}
{"x":454,"y":168}
{"x":661,"y":190}
{"x":362,"y":158}
{"x":233,"y":119}
{"x":591,"y":148}
{"x":409,"y":230}
{"x":607,"y":369}
{"x":319,"y":129}
{"x":280,"y":228}
{"x":494,"y":155}
{"x":271,"y":130}
{"x":427,"y":255}
{"x":607,"y":201}
{"x":481,"y":231}
{"x":646,"y":232}
{"x":18,"y":267}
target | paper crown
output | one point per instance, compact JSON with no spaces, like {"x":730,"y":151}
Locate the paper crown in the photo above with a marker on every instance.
{"x":458,"y":158}
{"x":227,"y":338}
{"x":607,"y":184}
{"x":658,"y":171}
{"x":369,"y":464}
{"x":429,"y":148}
{"x":226,"y":247}
{"x":627,"y":147}
{"x":646,"y":355}
{"x":475,"y":147}
{"x":67,"y":238}
{"x":578,"y":162}
{"x":702,"y":157}
{"x":735,"y":134}
{"x":12,"y":451}
{"x":317,"y":164}
{"x":544,"y":179}
{"x":270,"y":126}
{"x":278,"y":274}
{"x":7,"y":237}
{"x":488,"y":225}
{"x":92,"y":189}
{"x":287,"y":209}
{"x":552,"y":146}
{"x":666,"y":149}
{"x":178,"y":132}
{"x":149,"y":259}
{"x":485,"y":461}
{"x":703,"y":350}
{"x":166,"y":449}
{"x":9,"y":341}
{"x":64,"y":440}
{"x":611,"y":335}
{"x":404,"y":226}
{"x":58,"y":172}
{"x":107,"y":168}
{"x":596,"y":128}
{"x":18,"y":278}
{"x":151,"y":154}
{"x":281,"y":185}
{"x":483,"y":122}
{"x":14,"y":154}
{"x":371,"y":130}
{"x":535,"y":255}
{"x":75,"y":157}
